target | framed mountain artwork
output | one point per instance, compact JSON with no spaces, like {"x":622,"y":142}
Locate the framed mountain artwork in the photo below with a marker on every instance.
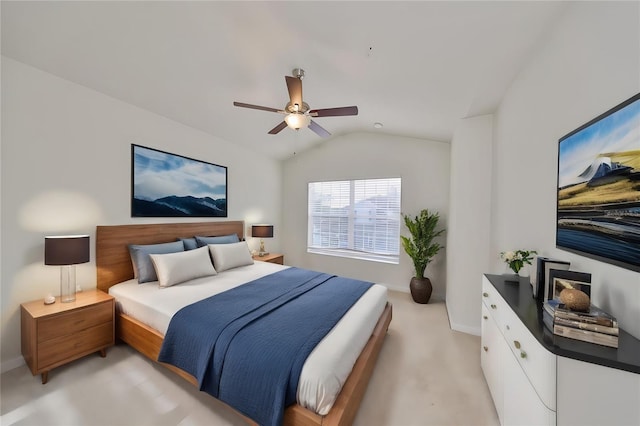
{"x":598,"y":210}
{"x":171,"y":185}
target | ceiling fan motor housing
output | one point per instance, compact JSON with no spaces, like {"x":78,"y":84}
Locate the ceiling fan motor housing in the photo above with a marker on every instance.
{"x":295,"y":108}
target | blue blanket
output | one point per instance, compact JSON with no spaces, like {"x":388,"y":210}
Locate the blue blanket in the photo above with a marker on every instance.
{"x":247,"y":346}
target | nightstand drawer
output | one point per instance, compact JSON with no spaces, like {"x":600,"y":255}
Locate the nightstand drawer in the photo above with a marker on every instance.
{"x":277,"y":259}
{"x":270,"y":258}
{"x":74,"y":321}
{"x":52,"y":335}
{"x":75,"y":345}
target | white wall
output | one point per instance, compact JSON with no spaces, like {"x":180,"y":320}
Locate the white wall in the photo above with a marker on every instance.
{"x":469,"y":220}
{"x":66,"y":167}
{"x":590,"y":63}
{"x":424,"y":168}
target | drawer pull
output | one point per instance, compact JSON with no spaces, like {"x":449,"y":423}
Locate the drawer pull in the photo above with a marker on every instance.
{"x":485,"y":317}
{"x":493,"y":306}
{"x":516,"y":344}
{"x":486,"y":348}
{"x":508,"y":328}
{"x":523,"y":354}
{"x":485,"y":294}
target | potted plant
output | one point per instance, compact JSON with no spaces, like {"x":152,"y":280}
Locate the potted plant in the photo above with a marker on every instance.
{"x":517,"y":259}
{"x":421,"y":249}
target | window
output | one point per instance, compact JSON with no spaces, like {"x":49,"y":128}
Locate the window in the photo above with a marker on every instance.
{"x":355,"y":218}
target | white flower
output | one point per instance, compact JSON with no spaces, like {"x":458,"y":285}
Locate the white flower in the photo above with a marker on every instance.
{"x":508,"y":256}
{"x":517,"y":259}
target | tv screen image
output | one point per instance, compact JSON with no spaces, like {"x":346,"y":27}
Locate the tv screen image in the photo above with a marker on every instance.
{"x":598,"y":202}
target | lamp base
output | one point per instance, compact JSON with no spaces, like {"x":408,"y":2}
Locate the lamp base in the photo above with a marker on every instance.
{"x":68,"y":283}
{"x":262,"y":251}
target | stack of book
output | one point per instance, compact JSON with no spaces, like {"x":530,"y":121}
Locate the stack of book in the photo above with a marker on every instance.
{"x":594,"y":326}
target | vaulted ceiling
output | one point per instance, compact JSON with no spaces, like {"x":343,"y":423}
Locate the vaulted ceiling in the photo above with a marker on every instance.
{"x":415,"y":67}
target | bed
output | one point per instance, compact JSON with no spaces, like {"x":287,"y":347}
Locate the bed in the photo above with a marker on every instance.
{"x":114,"y":266}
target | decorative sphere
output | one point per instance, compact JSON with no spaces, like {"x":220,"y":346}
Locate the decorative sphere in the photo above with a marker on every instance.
{"x":575,"y":300}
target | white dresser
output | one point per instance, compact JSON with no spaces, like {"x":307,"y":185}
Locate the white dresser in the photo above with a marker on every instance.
{"x":536,"y":378}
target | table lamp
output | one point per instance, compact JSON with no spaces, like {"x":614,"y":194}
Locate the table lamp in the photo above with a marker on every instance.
{"x":262,"y":231}
{"x":66,"y":251}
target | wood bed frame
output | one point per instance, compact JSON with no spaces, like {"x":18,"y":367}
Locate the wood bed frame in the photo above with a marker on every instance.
{"x":113,"y":265}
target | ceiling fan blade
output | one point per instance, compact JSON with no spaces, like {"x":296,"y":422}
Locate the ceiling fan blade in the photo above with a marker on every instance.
{"x":278,"y":128}
{"x":294,"y":85}
{"x":334,"y":112}
{"x":262,"y":108}
{"x":320,"y":131}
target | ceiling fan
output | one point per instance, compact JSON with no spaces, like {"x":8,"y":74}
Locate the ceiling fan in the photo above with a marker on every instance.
{"x":297,"y":113}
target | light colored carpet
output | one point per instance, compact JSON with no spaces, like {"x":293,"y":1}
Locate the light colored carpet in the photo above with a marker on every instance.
{"x":426,"y":375}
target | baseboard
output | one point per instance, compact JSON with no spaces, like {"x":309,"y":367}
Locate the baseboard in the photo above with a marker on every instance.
{"x":435,"y":297}
{"x":11,"y":364}
{"x":401,"y":288}
{"x":465,"y":328}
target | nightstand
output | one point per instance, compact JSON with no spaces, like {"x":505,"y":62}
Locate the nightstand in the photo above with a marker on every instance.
{"x":53,"y":335}
{"x":271,"y":258}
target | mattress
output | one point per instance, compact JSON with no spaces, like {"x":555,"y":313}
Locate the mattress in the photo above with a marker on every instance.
{"x":328,"y":365}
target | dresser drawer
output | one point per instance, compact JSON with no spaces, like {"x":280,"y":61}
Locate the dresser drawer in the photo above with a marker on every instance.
{"x":522,"y":404}
{"x":74,"y":321}
{"x":485,"y":336}
{"x":493,"y":348}
{"x":494,"y":303}
{"x":71,"y":346}
{"x":538,"y":364}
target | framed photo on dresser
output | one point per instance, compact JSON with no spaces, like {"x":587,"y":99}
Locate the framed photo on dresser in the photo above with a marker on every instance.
{"x":541,"y":276}
{"x":561,"y":279}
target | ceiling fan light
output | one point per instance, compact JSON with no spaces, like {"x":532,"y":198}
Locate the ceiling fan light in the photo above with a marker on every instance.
{"x":297,"y":120}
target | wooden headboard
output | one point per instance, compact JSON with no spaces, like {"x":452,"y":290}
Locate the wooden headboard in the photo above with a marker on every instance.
{"x":113,"y":262}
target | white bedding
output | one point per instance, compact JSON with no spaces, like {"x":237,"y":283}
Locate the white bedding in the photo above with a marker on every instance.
{"x":326,"y":368}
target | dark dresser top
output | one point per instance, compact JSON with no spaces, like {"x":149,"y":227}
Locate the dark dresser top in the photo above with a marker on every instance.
{"x":520,"y":299}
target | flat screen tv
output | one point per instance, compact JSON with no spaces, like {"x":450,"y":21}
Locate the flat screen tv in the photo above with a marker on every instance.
{"x":598,"y":203}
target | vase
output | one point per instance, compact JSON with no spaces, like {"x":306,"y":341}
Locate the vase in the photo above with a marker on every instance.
{"x":420,"y":289}
{"x":511,"y":278}
{"x":511,"y":275}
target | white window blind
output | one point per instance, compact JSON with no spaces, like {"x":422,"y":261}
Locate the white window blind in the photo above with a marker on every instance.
{"x":355,"y":218}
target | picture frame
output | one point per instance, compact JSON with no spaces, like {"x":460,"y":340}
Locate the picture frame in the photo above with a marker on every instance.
{"x":562,"y":279}
{"x":544,"y":266}
{"x":172,"y":185}
{"x":598,"y":191}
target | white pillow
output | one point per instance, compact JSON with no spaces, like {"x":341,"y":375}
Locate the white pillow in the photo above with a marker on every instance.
{"x":176,"y":268}
{"x":228,"y":256}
